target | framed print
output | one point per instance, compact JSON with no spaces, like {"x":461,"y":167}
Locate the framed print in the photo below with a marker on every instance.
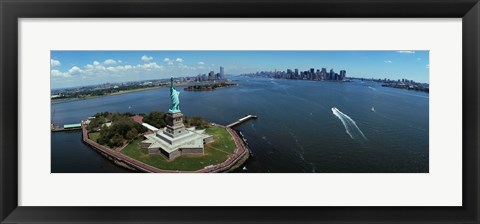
{"x":251,"y":112}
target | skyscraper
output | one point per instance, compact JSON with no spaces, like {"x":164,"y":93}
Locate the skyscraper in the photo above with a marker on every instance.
{"x":323,"y":73}
{"x":211,"y":75}
{"x":222,"y":74}
{"x":343,"y":73}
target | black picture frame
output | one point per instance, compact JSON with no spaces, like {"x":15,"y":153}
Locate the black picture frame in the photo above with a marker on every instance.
{"x":11,"y":11}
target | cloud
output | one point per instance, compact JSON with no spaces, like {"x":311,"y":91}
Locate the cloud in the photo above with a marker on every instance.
{"x":109,"y":62}
{"x":112,"y":69}
{"x":57,"y":73}
{"x":201,"y":63}
{"x":97,"y":70}
{"x":146,"y":58}
{"x":71,"y":72}
{"x":75,"y":70}
{"x":54,"y":63}
{"x":388,"y":61}
{"x":150,"y":66}
{"x":168,"y":61}
{"x":418,"y":59}
{"x":406,"y":52}
{"x":94,"y":66}
{"x":179,"y":60}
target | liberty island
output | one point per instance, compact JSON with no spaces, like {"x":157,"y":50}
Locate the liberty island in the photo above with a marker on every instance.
{"x":175,"y":148}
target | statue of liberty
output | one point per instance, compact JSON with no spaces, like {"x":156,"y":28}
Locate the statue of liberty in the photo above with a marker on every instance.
{"x":174,"y":108}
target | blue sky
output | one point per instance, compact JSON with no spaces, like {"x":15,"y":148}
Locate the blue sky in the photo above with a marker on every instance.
{"x":80,"y":68}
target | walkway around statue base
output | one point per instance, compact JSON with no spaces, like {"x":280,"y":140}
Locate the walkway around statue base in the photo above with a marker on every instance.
{"x":227,"y":164}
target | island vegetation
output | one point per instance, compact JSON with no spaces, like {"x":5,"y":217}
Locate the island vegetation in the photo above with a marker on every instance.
{"x":400,"y":84}
{"x":114,"y":129}
{"x":157,"y":119}
{"x":413,"y":86}
{"x":209,"y":87}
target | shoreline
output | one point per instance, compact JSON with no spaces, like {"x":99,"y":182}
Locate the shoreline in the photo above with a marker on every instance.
{"x":232,"y":163}
{"x":241,"y":162}
{"x":68,"y":100}
{"x":204,"y":87}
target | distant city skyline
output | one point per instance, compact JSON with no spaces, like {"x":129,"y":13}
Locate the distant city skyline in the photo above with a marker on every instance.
{"x":81,"y":68}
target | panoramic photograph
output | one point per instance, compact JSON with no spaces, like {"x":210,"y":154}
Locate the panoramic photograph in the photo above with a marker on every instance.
{"x":250,"y":111}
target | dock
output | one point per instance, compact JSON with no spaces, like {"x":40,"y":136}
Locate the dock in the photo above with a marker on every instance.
{"x":66,"y":127}
{"x":241,"y":120}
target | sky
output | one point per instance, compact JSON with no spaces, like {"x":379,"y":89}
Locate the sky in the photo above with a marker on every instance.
{"x":81,"y":68}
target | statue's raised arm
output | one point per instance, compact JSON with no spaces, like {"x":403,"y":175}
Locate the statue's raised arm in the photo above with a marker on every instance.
{"x":174,"y":107}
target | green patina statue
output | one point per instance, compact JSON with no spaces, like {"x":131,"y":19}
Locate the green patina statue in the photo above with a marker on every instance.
{"x":174,"y":108}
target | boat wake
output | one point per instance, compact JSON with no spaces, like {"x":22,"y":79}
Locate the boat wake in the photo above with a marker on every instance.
{"x":350,"y":126}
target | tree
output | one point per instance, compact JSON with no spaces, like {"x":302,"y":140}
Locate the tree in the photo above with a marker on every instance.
{"x":94,"y":123}
{"x":116,"y":141}
{"x":156,"y":119}
{"x":104,"y":138}
{"x":198,"y":122}
{"x":132,"y":134}
{"x":122,"y":128}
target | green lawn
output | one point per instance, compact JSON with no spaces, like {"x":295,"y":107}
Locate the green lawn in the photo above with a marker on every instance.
{"x":94,"y":136}
{"x":223,"y":141}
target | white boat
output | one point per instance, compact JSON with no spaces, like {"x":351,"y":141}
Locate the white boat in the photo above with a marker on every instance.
{"x":373,"y":109}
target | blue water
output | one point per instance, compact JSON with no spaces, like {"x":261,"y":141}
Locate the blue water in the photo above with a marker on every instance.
{"x":296,"y":129}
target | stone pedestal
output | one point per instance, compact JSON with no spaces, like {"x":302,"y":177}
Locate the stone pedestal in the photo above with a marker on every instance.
{"x":175,"y":127}
{"x":176,"y":140}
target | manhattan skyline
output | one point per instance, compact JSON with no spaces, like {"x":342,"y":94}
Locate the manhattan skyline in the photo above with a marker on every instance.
{"x":81,"y":68}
